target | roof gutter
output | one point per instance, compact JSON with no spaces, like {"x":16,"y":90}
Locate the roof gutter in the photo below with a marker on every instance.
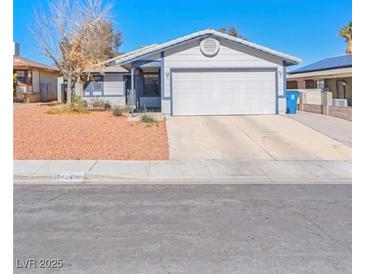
{"x":315,"y":70}
{"x":33,"y":67}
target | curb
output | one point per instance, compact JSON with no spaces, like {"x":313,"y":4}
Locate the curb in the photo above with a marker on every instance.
{"x":181,"y":172}
{"x":87,"y":179}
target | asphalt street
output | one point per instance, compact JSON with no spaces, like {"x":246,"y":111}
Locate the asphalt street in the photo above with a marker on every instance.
{"x":182,"y":229}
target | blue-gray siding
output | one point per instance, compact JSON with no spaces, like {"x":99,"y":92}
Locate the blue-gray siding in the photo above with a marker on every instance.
{"x":113,"y":89}
{"x":229,"y":56}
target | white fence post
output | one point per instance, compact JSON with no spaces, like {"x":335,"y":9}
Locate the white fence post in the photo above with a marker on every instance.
{"x":60,"y":89}
{"x":326,"y":102}
{"x":301,"y":100}
{"x":79,"y":90}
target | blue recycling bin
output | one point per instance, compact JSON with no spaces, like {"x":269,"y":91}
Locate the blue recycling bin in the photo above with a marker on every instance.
{"x":291,"y":101}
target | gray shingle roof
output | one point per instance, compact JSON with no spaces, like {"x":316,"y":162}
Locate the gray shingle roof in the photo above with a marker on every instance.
{"x":126,"y":54}
{"x":24,"y":63}
{"x":125,"y":58}
{"x":342,"y":61}
{"x":108,"y":69}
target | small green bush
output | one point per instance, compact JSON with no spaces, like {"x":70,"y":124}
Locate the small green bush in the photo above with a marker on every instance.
{"x":146,"y":118}
{"x":117,"y":111}
{"x":127,"y":109}
{"x":78,"y":105}
{"x":76,"y":100}
{"x":107,"y":105}
{"x":97,"y":103}
{"x":15,"y":83}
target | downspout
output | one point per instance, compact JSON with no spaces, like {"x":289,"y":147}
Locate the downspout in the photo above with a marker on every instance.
{"x":132,"y":90}
{"x":284,"y":84}
{"x":284,"y":79}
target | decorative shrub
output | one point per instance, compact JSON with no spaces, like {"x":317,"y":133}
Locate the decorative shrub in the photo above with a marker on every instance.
{"x":148,"y":119}
{"x":127,"y":109}
{"x":117,"y":111}
{"x":107,"y":105}
{"x":77,"y":106}
{"x":15,"y":81}
{"x":97,"y":103}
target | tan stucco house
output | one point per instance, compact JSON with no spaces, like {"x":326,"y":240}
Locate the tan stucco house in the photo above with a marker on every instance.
{"x":332,"y":74}
{"x":36,"y":81}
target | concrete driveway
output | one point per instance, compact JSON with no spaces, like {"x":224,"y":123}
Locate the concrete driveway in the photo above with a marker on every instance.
{"x":262,"y":137}
{"x":336,"y":128}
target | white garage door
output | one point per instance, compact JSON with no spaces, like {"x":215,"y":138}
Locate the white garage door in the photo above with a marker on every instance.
{"x":223,"y":92}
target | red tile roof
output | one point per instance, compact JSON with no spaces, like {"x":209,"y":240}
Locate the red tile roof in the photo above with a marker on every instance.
{"x":24,"y":63}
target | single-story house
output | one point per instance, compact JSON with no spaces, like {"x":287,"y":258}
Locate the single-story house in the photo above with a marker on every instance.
{"x":204,"y":73}
{"x":36,"y":81}
{"x":332,"y":74}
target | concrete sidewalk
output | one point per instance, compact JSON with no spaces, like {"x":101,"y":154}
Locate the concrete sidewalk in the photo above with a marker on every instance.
{"x":181,"y":172}
{"x":335,"y":128}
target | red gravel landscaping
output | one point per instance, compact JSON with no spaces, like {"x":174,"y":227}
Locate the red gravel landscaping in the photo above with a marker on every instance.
{"x":97,"y":135}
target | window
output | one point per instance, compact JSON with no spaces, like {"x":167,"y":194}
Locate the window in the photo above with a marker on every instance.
{"x":98,"y":83}
{"x":292,"y":85}
{"x":151,"y":84}
{"x":98,"y":78}
{"x":20,"y":76}
{"x":320,"y":84}
{"x":94,"y":86}
{"x":309,"y":84}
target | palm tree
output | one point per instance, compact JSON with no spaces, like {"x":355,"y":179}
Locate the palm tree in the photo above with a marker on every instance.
{"x":346,"y":33}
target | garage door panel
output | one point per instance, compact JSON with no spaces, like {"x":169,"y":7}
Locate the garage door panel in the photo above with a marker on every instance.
{"x":223,"y":92}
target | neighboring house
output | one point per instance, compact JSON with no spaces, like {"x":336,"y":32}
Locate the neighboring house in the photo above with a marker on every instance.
{"x":38,"y":82}
{"x":204,"y":73}
{"x":332,"y":74}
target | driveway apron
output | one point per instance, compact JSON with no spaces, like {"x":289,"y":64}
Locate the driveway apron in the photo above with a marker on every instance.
{"x":254,"y":137}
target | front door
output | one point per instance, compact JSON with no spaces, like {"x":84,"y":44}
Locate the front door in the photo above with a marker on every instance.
{"x":151,"y":84}
{"x":128,"y":89}
{"x":151,"y":94}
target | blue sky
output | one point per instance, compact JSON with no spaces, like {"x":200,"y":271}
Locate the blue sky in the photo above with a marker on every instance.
{"x":306,"y":29}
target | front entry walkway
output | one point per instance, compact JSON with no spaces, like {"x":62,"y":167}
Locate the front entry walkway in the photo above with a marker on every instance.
{"x":256,"y":137}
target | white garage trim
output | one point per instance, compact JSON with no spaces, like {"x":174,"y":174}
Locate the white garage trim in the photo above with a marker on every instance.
{"x":222,"y":69}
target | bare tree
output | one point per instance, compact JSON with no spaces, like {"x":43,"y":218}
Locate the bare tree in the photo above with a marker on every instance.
{"x":77,"y":35}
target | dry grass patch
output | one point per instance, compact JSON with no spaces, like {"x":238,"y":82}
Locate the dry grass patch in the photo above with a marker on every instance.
{"x":77,"y":106}
{"x":64,"y":109}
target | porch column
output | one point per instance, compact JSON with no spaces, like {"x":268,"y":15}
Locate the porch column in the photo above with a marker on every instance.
{"x":133,"y":95}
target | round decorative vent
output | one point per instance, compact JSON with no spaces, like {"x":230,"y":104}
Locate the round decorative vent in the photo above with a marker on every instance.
{"x":209,"y":46}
